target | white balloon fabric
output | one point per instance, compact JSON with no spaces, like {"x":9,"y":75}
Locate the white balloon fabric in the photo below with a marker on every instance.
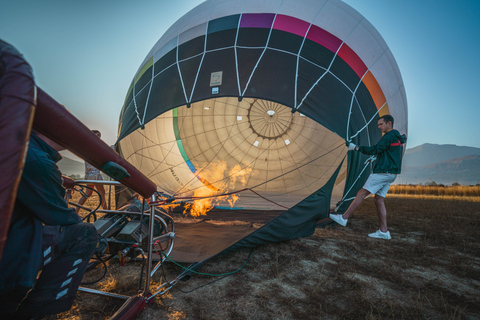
{"x":255,"y":99}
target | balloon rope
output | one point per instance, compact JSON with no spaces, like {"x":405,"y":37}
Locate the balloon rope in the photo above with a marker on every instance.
{"x":205,"y":167}
{"x":235,"y":50}
{"x":298,"y":55}
{"x":329,"y":67}
{"x":180,"y":71}
{"x":212,"y":196}
{"x":303,"y":165}
{"x":135,"y":105}
{"x":264,"y":49}
{"x":367,"y":162}
{"x":148,"y":96}
{"x":251,"y":189}
{"x":203,"y":54}
{"x":269,"y":200}
{"x":386,"y":102}
{"x":354,"y":96}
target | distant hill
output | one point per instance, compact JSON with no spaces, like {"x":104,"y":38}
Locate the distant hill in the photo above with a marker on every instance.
{"x":463,"y":170}
{"x":68,"y":167}
{"x":428,"y":153}
{"x":445,"y":164}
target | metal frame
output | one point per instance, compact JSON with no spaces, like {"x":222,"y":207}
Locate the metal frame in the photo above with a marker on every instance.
{"x":150,"y":270}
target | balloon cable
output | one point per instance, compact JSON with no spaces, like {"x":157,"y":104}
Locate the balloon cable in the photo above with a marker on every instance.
{"x":94,"y":211}
{"x":209,"y":274}
{"x":367,"y":162}
{"x":251,"y":189}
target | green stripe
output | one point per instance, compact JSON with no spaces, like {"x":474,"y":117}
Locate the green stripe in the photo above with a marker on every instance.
{"x":140,"y":73}
{"x":175,"y":124}
{"x":177,"y":135}
{"x":182,"y":150}
{"x":144,"y":68}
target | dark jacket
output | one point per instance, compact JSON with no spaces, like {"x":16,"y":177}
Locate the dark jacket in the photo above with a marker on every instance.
{"x":40,"y":200}
{"x":389,"y":152}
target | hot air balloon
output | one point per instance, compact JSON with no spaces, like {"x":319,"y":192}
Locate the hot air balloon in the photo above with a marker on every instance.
{"x":249,"y":103}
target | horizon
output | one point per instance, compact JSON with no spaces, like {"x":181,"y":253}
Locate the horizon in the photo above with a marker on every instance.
{"x":71,"y":156}
{"x":442,"y":144}
{"x":439,"y":172}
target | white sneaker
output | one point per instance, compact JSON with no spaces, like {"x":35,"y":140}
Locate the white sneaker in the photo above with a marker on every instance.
{"x":380,"y":235}
{"x":339,"y":219}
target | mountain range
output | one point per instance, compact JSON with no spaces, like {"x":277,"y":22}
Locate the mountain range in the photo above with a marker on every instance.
{"x":439,"y":163}
{"x":71,"y":167}
{"x":442,"y":164}
{"x":428,"y":153}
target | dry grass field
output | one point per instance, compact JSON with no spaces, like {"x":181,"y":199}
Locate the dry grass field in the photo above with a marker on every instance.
{"x":439,"y":190}
{"x":429,"y":270}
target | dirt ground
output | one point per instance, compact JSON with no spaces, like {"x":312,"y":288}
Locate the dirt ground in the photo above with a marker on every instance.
{"x":429,"y":270}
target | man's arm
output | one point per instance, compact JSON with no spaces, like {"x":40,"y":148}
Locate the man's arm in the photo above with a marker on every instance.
{"x":41,"y":191}
{"x":381,"y":146}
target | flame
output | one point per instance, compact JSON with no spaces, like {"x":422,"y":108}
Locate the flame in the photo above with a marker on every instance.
{"x":241,"y":174}
{"x":215,"y":173}
{"x":170,"y":207}
{"x":200,"y":207}
{"x":232,"y":200}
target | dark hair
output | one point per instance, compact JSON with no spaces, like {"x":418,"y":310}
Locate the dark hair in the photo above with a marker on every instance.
{"x":387,"y":118}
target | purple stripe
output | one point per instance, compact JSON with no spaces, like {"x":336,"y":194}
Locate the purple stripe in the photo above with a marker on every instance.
{"x":291,"y":25}
{"x":257,"y":20}
{"x":299,"y":27}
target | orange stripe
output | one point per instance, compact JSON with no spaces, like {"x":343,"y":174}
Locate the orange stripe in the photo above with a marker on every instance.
{"x":376,"y":93}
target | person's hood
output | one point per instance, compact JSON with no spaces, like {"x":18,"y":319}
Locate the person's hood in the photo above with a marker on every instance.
{"x":401,"y":137}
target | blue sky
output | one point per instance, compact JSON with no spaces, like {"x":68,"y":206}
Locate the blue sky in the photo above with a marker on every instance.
{"x":85,"y":54}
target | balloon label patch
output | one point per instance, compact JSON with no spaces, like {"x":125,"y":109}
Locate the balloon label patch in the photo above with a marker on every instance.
{"x":216,"y":78}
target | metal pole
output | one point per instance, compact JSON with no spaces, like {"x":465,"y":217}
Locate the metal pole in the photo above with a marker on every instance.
{"x":149,"y":247}
{"x":107,"y":294}
{"x":110,"y":196}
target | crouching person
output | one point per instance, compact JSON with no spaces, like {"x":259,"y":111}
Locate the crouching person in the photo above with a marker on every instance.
{"x":48,"y":247}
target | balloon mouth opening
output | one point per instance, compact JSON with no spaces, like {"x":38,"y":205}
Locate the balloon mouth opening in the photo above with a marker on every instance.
{"x":257,"y":150}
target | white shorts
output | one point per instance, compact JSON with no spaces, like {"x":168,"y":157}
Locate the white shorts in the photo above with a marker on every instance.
{"x":378,"y":183}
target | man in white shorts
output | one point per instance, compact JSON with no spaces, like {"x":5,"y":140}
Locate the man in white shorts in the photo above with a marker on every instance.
{"x":389,"y":152}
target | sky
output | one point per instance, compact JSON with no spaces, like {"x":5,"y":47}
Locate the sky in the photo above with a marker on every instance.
{"x":86,"y":53}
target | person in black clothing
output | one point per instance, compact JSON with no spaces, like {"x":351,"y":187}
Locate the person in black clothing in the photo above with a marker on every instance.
{"x":389,"y":152}
{"x":44,"y":235}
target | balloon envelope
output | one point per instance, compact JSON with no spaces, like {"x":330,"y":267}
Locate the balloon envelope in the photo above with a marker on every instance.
{"x":257,"y":98}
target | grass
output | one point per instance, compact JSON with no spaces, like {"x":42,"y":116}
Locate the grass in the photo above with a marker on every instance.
{"x":429,"y":270}
{"x":438,"y":190}
{"x":434,"y":197}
